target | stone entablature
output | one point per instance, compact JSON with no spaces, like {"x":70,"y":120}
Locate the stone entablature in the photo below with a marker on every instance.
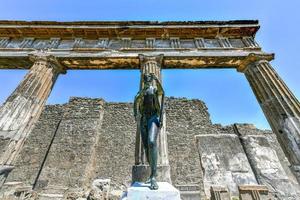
{"x":128,"y":35}
{"x":116,"y":45}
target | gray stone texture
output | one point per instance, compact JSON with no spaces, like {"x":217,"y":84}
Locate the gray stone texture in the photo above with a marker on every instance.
{"x":280,"y":106}
{"x":115,"y":149}
{"x":184,"y":120}
{"x":33,"y":153}
{"x":268,"y":162}
{"x":87,"y":139}
{"x":224,"y":162}
{"x":71,"y":155}
{"x":23,"y":107}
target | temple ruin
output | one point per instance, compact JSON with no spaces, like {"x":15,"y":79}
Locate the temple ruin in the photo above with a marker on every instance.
{"x":66,"y":151}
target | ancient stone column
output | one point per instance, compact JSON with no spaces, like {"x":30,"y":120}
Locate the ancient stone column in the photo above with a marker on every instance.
{"x":280,"y":106}
{"x":23,"y":107}
{"x":141,"y":171}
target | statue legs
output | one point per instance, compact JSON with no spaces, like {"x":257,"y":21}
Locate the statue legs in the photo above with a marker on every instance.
{"x":144,"y":134}
{"x":149,"y":137}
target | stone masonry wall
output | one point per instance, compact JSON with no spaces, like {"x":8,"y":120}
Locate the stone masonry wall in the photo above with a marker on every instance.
{"x":224,"y":162}
{"x":71,"y":153}
{"x":87,"y":139}
{"x":268,"y":162}
{"x":185,"y":119}
{"x":115,"y":149}
{"x":36,"y":146}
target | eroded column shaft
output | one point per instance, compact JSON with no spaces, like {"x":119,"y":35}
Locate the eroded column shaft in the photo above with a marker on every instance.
{"x":23,"y":107}
{"x":280,"y":106}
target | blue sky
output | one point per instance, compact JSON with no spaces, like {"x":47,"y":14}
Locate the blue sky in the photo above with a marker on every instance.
{"x":226,"y":92}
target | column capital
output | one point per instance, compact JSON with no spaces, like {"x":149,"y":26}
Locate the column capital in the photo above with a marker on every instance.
{"x":144,"y":59}
{"x":42,"y":56}
{"x":253,"y":59}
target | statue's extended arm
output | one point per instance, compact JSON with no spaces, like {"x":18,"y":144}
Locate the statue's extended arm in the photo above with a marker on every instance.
{"x":161,"y":110}
{"x":160,"y":92}
{"x":136,"y":103}
{"x":160,"y":89}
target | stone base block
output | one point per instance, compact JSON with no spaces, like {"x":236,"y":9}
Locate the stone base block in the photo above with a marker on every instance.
{"x":140,"y":173}
{"x":189,"y":192}
{"x":141,"y":191}
{"x":253,"y":192}
{"x":219,"y":193}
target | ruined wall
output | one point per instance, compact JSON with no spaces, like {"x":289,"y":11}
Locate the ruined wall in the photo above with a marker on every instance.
{"x":224,"y":162}
{"x":268,"y":161}
{"x":185,"y":119}
{"x":115,"y":149}
{"x":87,"y":139}
{"x":36,"y":146}
{"x":68,"y":164}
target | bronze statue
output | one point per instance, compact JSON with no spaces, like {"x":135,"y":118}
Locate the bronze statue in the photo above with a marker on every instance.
{"x":148,"y":105}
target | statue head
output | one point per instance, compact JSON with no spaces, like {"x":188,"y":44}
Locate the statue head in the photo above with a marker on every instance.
{"x":148,"y":78}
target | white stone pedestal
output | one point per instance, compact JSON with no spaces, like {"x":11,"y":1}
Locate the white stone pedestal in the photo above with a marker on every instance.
{"x":141,"y":191}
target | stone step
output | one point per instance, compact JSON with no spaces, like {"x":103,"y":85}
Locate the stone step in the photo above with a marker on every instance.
{"x":45,"y":196}
{"x":190,"y":195}
{"x":54,"y":190}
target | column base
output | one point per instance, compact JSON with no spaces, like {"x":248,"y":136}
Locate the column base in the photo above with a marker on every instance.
{"x":141,"y":191}
{"x":140,"y":173}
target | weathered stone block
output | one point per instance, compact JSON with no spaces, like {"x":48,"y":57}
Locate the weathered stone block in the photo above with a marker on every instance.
{"x":224,"y":162}
{"x":189,"y":192}
{"x":268,"y":162}
{"x":140,"y":191}
{"x":254,"y":192}
{"x":100,"y":189}
{"x":219,"y":193}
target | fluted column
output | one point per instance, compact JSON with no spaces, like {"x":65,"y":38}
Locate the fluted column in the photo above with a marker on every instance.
{"x":23,"y":107}
{"x":280,"y":106}
{"x":152,"y":64}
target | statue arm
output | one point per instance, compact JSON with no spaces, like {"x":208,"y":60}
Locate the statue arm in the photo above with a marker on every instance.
{"x":160,"y":89}
{"x":161,"y":110}
{"x":136,"y":103}
{"x":160,"y":92}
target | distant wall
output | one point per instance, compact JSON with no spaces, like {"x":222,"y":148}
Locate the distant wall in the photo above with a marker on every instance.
{"x":33,"y":153}
{"x":71,"y":154}
{"x":115,"y":148}
{"x":87,"y":139}
{"x":185,"y":120}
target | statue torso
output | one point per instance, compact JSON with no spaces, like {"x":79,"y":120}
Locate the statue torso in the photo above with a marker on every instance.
{"x":150,"y":101}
